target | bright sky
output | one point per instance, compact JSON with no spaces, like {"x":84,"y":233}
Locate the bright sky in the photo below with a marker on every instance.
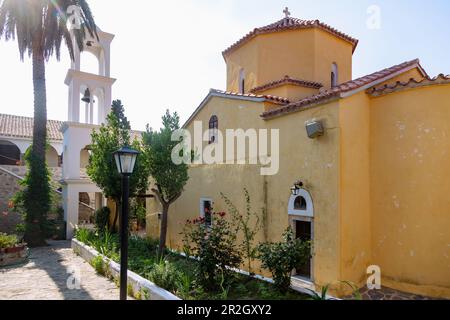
{"x":167,"y":54}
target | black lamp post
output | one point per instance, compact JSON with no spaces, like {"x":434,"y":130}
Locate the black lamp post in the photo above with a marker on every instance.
{"x":125,"y":161}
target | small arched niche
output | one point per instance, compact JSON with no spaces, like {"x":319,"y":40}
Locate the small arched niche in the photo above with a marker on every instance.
{"x":301,"y":204}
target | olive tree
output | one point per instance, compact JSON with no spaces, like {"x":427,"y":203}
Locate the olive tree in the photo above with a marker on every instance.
{"x":169,"y":178}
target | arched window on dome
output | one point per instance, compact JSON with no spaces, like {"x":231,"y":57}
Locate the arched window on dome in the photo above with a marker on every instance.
{"x":213,"y":129}
{"x":334,"y":75}
{"x":242,"y":81}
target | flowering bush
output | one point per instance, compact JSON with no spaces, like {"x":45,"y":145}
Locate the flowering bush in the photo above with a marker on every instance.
{"x":250,"y":223}
{"x":215,"y":247}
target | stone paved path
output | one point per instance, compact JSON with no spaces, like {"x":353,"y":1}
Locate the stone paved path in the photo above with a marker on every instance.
{"x":45,"y":277}
{"x":388,"y":294}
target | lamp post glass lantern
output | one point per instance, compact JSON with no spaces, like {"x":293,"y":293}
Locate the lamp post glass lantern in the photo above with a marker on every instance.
{"x":125,"y":160}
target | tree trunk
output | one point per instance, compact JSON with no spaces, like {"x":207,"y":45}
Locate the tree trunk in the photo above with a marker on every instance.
{"x":116,"y":216}
{"x":163,"y":234}
{"x":37,"y":194}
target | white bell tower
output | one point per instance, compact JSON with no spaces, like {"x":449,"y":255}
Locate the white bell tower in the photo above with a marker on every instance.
{"x":90,"y":91}
{"x":90,"y":98}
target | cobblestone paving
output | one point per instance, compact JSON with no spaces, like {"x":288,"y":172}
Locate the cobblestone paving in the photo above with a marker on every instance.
{"x":45,"y":277}
{"x":389,"y":294}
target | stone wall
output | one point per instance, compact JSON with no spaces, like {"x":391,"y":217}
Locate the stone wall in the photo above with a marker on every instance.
{"x":9,"y":185}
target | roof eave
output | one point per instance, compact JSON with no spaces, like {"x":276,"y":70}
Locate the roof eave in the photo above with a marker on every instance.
{"x":301,"y":108}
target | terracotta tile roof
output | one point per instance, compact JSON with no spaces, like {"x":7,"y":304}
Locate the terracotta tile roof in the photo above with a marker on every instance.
{"x":287,"y":80}
{"x":290,"y":23}
{"x":22,"y":127}
{"x":270,"y":98}
{"x":346,"y":87}
{"x":234,"y":95}
{"x":412,"y":83}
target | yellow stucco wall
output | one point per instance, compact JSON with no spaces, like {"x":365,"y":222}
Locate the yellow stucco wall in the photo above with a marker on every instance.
{"x":247,"y":59}
{"x":410,"y":199}
{"x":306,"y":54}
{"x":354,"y":124}
{"x":316,"y":162}
{"x":328,"y":50}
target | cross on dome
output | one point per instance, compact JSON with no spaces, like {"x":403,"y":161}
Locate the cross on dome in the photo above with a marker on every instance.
{"x":286,"y":12}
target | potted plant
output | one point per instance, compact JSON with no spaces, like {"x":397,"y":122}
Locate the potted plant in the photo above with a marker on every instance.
{"x":11,"y":250}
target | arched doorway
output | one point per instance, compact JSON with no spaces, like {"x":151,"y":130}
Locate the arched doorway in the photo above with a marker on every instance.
{"x":9,"y":154}
{"x":301,"y":219}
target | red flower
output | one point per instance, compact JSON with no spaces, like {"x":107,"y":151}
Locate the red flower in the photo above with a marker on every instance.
{"x":11,"y":204}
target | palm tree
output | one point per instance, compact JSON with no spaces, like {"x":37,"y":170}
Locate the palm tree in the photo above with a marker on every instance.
{"x":40,"y":27}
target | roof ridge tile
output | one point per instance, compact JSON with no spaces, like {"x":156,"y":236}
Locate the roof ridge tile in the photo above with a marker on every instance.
{"x":287,"y":80}
{"x":410,"y":84}
{"x":289,"y":23}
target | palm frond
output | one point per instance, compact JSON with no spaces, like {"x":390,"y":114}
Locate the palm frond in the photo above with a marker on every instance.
{"x":88,"y":18}
{"x":42,"y":25}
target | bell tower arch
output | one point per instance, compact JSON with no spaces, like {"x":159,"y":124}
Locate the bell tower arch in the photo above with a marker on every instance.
{"x":90,"y":94}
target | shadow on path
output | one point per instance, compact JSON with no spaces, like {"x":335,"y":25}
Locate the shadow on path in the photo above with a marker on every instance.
{"x":56,"y":265}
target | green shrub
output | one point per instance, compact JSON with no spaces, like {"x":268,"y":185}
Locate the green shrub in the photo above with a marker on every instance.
{"x":8,"y":241}
{"x":138,"y":295}
{"x":60,"y":213}
{"x":323,"y":294}
{"x":184,"y":285}
{"x":164,"y":275}
{"x":146,"y":295}
{"x":84,"y":235}
{"x":101,"y":217}
{"x":130,"y":290}
{"x":216,"y":248}
{"x":283,"y":257}
{"x":99,"y":265}
{"x":108,"y":245}
{"x":20,"y":228}
{"x":138,"y":211}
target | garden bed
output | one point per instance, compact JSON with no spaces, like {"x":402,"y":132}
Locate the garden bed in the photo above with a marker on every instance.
{"x":176,"y":273}
{"x":138,"y":287}
{"x":11,"y":251}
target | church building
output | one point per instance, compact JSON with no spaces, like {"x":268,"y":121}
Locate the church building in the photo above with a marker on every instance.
{"x":364,"y":164}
